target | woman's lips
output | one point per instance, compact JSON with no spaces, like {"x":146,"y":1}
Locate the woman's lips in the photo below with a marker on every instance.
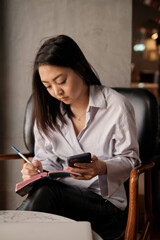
{"x":63,"y":99}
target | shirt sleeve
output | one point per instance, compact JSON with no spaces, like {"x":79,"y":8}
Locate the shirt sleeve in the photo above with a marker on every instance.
{"x":125,"y":152}
{"x":44,"y":152}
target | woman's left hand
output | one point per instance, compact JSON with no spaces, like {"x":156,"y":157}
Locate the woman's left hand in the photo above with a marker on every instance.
{"x":89,"y":170}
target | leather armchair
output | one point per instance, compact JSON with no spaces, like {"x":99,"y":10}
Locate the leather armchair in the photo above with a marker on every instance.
{"x":146,"y":111}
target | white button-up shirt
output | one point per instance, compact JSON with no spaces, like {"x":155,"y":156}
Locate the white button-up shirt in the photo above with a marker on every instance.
{"x":109,"y":133}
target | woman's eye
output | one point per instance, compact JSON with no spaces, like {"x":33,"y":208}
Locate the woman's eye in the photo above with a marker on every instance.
{"x":62,"y":82}
{"x":48,"y":87}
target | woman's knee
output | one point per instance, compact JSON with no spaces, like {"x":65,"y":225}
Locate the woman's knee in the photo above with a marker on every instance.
{"x":39,"y":199}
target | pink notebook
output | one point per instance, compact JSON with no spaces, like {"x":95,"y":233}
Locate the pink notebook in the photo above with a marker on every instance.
{"x":25,"y":187}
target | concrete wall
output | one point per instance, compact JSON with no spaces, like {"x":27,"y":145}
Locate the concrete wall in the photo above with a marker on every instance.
{"x":101,"y":28}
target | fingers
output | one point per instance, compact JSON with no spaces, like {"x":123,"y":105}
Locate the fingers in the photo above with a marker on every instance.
{"x":29,"y":170}
{"x":94,"y":158}
{"x":83,"y":177}
{"x":83,"y":165}
{"x":89,"y":170}
{"x":38,"y":165}
{"x":78,"y":170}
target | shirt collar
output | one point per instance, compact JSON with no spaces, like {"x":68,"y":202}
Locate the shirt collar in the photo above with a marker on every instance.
{"x":97,"y":98}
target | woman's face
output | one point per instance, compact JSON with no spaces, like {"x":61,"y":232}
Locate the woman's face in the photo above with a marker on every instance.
{"x":63,"y":83}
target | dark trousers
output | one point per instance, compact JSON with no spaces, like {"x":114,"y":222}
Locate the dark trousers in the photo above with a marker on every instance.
{"x":78,"y":204}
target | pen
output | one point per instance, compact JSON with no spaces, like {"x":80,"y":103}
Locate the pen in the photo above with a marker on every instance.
{"x":26,"y":159}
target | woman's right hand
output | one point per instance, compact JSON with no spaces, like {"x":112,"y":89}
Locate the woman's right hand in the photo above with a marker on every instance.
{"x":28,"y":171}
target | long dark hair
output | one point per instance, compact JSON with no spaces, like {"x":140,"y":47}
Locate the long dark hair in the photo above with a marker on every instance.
{"x":64,"y":52}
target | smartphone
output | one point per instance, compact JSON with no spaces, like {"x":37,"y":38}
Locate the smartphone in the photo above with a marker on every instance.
{"x":80,"y":158}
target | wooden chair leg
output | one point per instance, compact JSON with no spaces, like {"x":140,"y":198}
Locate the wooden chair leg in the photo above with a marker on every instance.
{"x":130,"y":232}
{"x":148,"y":205}
{"x":132,"y":222}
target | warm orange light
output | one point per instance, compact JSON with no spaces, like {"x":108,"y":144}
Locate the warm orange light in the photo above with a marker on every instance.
{"x":150,"y":44}
{"x":154,"y":36}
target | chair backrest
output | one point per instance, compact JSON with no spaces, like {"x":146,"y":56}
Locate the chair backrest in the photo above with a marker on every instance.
{"x":146,"y":112}
{"x":28,"y":126}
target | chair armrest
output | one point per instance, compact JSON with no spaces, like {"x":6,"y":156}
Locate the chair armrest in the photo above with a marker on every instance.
{"x":13,"y":156}
{"x":132,"y":221}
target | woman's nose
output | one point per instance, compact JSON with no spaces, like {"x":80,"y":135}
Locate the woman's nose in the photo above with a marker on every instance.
{"x":57,"y":90}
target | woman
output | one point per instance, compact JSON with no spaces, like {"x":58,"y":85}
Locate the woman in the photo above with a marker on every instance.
{"x":74,"y":114}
